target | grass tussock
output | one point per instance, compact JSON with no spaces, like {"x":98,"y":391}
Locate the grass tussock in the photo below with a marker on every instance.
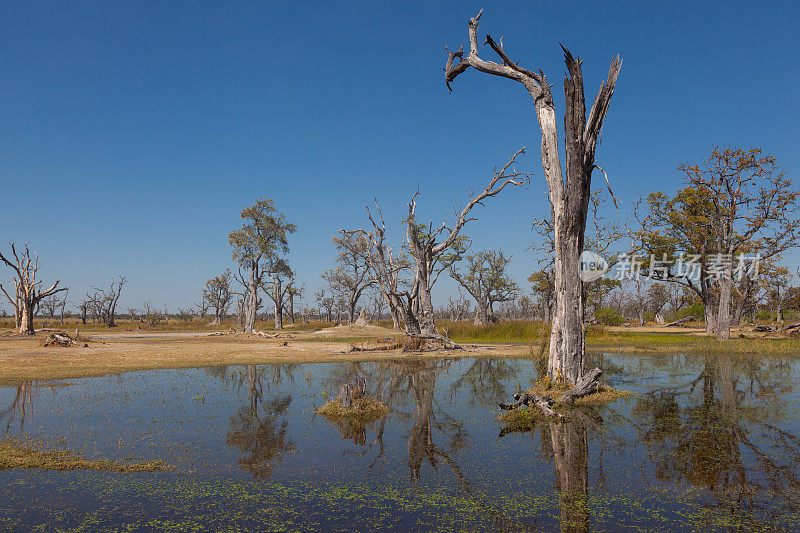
{"x":363,"y":411}
{"x":15,"y":454}
{"x":523,"y":419}
{"x":505,"y":331}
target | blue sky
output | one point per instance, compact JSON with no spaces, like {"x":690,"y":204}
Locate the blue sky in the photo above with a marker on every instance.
{"x":133,"y":133}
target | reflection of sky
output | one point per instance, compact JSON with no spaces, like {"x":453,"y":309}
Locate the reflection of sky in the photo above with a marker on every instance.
{"x":184,"y":417}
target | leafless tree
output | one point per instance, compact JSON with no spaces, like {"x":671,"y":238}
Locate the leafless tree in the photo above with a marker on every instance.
{"x":569,"y":190}
{"x":28,"y":292}
{"x":106,"y":300}
{"x":432,"y":251}
{"x":50,"y":305}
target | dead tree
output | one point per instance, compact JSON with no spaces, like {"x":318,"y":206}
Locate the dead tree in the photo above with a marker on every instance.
{"x":433,"y":250}
{"x":106,"y":300}
{"x":569,"y":190}
{"x":28,"y":291}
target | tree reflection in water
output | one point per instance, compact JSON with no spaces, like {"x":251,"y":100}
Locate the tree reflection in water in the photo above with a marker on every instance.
{"x":259,"y":428}
{"x":20,"y":406}
{"x":721,"y":432}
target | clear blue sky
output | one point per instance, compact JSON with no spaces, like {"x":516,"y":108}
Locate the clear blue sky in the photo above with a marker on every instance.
{"x":133,"y":133}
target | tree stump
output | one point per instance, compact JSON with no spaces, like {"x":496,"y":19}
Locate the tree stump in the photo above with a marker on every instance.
{"x":349,"y":392}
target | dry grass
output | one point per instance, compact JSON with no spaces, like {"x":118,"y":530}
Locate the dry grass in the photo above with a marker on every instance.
{"x":15,"y":454}
{"x":363,"y":411}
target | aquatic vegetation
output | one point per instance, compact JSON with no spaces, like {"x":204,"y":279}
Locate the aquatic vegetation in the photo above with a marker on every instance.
{"x":16,"y":454}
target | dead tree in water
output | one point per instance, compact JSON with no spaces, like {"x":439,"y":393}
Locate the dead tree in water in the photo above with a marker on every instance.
{"x":429,"y":256}
{"x":28,"y":291}
{"x":569,"y":190}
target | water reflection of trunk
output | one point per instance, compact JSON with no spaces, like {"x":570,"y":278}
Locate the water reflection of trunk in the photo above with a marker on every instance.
{"x":718,"y":433}
{"x":20,"y":406}
{"x":259,"y":428}
{"x":570,"y":458}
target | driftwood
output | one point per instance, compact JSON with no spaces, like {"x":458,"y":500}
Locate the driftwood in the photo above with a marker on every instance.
{"x":767,"y":329}
{"x":677,"y":323}
{"x":348,"y":392}
{"x":792,"y":326}
{"x":422,"y":339}
{"x":59,"y":339}
{"x":387,"y":343}
{"x":586,"y":385}
{"x":542,"y":403}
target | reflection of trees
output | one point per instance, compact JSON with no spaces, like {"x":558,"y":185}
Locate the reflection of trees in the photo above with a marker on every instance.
{"x":259,"y":428}
{"x":720,"y":432}
{"x":20,"y":406}
{"x":486,"y":380}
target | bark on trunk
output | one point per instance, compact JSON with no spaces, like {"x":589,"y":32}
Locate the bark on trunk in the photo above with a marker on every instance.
{"x":252,"y":301}
{"x":26,"y":319}
{"x":710,"y":317}
{"x":278,"y":316}
{"x":724,"y":312}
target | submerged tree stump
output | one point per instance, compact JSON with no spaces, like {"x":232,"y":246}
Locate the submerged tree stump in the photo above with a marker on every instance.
{"x":542,"y":403}
{"x":349,"y":392}
{"x":586,"y":385}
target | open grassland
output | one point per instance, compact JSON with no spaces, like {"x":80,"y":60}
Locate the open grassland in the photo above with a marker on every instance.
{"x":122,"y":349}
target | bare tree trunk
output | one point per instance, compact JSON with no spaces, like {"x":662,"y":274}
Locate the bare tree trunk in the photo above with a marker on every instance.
{"x":251,"y":302}
{"x":278,"y":316}
{"x":724,"y":313}
{"x":710,"y":317}
{"x":26,"y":319}
{"x":291,"y":307}
{"x":569,"y":191}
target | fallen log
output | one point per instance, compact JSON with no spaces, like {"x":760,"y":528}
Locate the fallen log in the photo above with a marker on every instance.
{"x":677,"y":323}
{"x":765,"y":328}
{"x":377,"y":345}
{"x":792,"y":326}
{"x":59,"y":339}
{"x":542,"y":403}
{"x":423,"y":337}
{"x":586,"y":385}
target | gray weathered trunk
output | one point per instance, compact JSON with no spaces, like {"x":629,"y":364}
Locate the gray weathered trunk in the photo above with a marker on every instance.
{"x":26,"y":319}
{"x":724,"y":312}
{"x":251,"y":303}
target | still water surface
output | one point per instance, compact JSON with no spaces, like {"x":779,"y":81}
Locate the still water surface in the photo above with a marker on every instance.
{"x":706,"y":443}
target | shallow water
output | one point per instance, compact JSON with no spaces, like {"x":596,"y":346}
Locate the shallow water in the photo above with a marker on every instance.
{"x":706,"y":443}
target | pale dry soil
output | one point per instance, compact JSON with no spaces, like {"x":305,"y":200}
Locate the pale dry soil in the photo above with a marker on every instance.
{"x":22,"y":358}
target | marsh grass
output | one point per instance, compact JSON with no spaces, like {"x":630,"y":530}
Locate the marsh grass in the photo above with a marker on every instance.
{"x":525,"y":419}
{"x":16,"y":454}
{"x":505,"y":331}
{"x":364,"y":411}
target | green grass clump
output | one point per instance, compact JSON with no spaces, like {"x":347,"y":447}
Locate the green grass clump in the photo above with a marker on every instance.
{"x":505,"y":331}
{"x":362,"y":411}
{"x":14,"y":454}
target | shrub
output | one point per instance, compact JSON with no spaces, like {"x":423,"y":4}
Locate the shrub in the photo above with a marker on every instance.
{"x":608,"y":317}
